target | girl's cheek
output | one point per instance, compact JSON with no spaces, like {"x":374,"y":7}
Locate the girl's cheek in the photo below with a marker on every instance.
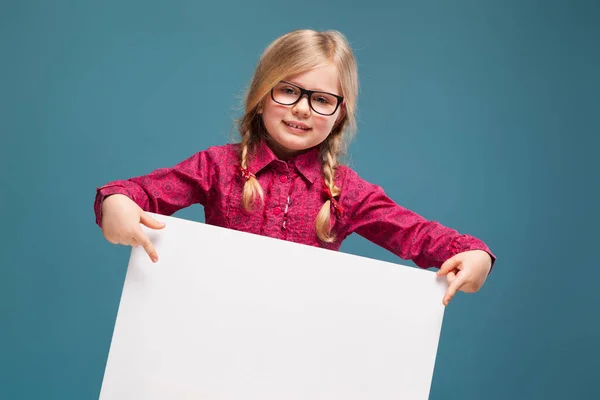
{"x":324,"y":124}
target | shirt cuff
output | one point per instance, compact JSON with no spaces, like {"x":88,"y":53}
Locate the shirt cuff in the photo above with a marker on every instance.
{"x":103,"y":192}
{"x":467,"y":242}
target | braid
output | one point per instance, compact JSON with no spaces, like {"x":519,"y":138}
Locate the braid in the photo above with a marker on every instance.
{"x":252,"y":188}
{"x":329,"y":166}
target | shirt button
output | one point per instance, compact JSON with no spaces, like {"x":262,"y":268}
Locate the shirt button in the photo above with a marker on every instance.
{"x":277,"y":210}
{"x":283,"y":179}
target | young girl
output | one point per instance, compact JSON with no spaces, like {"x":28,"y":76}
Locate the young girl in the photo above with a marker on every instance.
{"x":284,"y":179}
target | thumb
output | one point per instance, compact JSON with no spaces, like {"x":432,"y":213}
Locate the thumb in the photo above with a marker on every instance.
{"x":449,"y":265}
{"x":151,"y":222}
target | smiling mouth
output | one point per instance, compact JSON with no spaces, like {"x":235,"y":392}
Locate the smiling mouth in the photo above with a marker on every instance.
{"x":301,"y":127}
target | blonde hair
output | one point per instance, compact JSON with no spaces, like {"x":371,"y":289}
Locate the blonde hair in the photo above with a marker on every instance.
{"x":294,"y":53}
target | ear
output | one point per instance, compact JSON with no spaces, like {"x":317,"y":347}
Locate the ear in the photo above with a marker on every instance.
{"x":259,"y":110}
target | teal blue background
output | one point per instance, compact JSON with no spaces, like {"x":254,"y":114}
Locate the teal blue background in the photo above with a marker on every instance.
{"x":482,"y":115}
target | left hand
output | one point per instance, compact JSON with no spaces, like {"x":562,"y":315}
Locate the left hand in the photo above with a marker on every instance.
{"x":466,"y":271}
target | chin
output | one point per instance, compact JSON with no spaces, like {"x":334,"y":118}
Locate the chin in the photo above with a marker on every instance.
{"x":294,"y":142}
{"x":296,"y":146}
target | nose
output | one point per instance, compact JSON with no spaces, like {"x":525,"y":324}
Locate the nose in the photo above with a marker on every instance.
{"x":302,"y":107}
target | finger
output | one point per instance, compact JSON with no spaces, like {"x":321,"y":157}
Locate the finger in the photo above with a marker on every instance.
{"x":448,"y":265}
{"x":453,"y":288}
{"x":471,"y":287}
{"x":125,"y":240}
{"x":451,"y":276}
{"x":134,"y":242}
{"x":151,"y":222}
{"x":146,"y":243}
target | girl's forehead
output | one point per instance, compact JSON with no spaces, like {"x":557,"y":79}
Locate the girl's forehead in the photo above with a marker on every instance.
{"x":324,"y":78}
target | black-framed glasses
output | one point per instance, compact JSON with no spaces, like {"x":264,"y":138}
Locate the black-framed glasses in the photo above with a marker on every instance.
{"x":323,"y":103}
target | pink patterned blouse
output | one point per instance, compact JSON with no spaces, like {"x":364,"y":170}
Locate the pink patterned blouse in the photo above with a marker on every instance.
{"x":293,"y":196}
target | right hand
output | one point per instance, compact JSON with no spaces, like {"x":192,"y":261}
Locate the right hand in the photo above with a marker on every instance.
{"x":121,"y":219}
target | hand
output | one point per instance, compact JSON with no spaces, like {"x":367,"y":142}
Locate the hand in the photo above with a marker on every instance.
{"x":466,"y":271}
{"x":121,"y":219}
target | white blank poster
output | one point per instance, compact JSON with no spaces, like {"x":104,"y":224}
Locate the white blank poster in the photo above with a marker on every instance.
{"x":228,"y":315}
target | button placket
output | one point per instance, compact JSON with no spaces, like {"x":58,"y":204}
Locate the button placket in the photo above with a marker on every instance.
{"x":282,"y":182}
{"x":287,"y":203}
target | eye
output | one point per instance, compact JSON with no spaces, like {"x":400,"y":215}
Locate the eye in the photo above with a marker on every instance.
{"x":322,"y":100}
{"x":288,"y":90}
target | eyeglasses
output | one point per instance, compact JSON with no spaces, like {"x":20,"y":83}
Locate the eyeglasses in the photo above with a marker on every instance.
{"x":323,"y":103}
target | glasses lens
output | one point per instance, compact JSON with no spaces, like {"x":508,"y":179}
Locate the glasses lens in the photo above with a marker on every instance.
{"x":285,"y":94}
{"x":323,"y":103}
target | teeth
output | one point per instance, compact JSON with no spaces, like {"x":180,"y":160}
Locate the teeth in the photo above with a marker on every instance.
{"x":296,"y":126}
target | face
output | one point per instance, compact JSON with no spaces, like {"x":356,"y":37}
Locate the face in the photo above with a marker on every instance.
{"x":298,"y":127}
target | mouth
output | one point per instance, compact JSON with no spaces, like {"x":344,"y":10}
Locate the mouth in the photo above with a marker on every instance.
{"x":297,"y":126}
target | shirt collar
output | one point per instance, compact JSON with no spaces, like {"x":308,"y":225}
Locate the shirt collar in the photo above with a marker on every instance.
{"x":307,"y":163}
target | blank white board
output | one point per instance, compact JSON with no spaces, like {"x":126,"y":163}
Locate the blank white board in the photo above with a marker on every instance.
{"x":227,"y":315}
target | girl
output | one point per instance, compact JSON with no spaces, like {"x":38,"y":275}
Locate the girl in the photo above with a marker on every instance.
{"x":284,"y":179}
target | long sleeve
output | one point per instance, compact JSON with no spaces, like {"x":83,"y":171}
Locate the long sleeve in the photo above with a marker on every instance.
{"x":165,"y":190}
{"x":379,"y":219}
